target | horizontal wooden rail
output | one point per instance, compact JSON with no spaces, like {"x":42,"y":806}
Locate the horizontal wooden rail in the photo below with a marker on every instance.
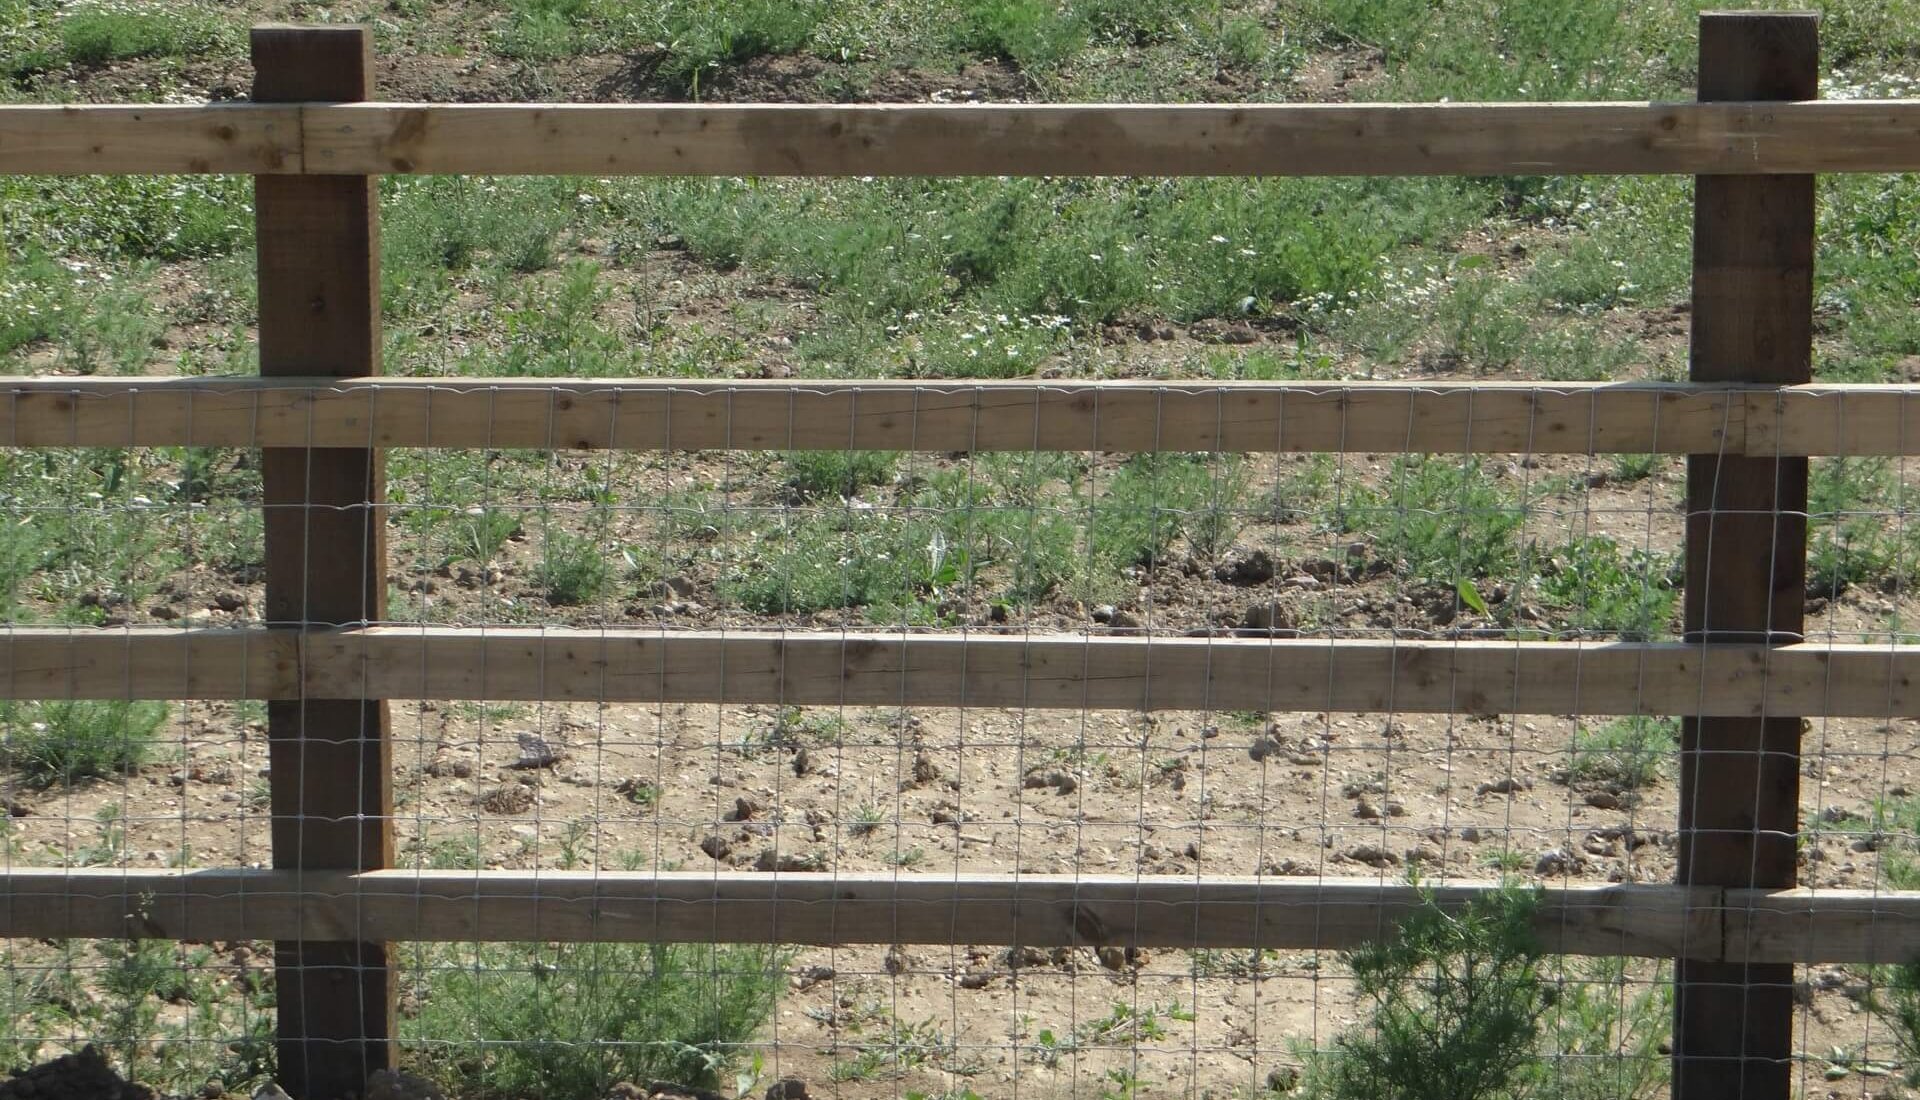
{"x":949,"y":670}
{"x":588,"y":414}
{"x":1471,"y":139}
{"x":123,"y":139}
{"x":592,"y":414}
{"x":1652,"y":921}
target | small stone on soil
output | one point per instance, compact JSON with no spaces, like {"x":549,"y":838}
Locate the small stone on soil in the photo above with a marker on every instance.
{"x":536,"y":752}
{"x":1373,"y":854}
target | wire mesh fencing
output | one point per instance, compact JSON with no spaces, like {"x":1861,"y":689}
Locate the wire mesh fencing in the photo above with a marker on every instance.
{"x":610,"y":737}
{"x":1222,"y":551}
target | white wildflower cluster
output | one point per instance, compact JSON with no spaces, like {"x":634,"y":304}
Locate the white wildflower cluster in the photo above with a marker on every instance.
{"x":1412,"y":284}
{"x":998,"y":342}
{"x":31,"y":304}
{"x":1843,"y":85}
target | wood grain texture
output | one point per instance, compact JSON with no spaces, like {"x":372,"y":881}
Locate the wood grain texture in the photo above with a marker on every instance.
{"x":936,"y":140}
{"x":1043,"y":672}
{"x":589,"y":414}
{"x":1113,"y":673}
{"x":1650,"y":921}
{"x":1746,"y":560}
{"x":750,"y":907}
{"x":318,"y":245}
{"x":1151,"y":140}
{"x":943,"y":417}
{"x":62,"y":663}
{"x":92,"y":139}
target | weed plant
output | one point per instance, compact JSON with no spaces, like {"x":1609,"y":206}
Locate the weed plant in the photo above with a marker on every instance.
{"x":569,"y":1021}
{"x":1442,"y":520}
{"x":1594,"y":586}
{"x":1624,"y":754}
{"x":1454,"y":1005}
{"x":69,"y":741}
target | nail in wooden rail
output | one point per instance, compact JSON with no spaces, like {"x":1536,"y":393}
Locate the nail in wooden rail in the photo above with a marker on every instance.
{"x":1746,"y":560}
{"x":326,"y":565}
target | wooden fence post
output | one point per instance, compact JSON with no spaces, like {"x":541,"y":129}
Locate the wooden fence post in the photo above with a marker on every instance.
{"x":318,"y":242}
{"x":1746,"y":560}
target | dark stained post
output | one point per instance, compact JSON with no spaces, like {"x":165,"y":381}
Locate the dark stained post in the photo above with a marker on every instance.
{"x":318,"y":241}
{"x":1746,"y":561}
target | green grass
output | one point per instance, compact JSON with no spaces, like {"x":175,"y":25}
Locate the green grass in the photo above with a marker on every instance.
{"x":1595,"y":586}
{"x":702,"y":36}
{"x":1606,"y":1037}
{"x":1858,"y":532}
{"x":1001,"y":529}
{"x":836,"y":474}
{"x":70,"y":741}
{"x":116,"y":30}
{"x":1623,"y":754}
{"x":1442,"y":520}
{"x":574,"y":569}
{"x":568,"y":1021}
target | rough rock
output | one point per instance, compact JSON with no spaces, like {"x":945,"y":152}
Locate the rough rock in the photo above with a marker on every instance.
{"x":537,"y":752}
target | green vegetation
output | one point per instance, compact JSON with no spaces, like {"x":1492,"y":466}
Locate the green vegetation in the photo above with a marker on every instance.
{"x":1547,"y":279}
{"x":1124,"y":1026}
{"x":151,"y":1005}
{"x":1443,"y":520}
{"x":1454,"y":1007}
{"x":569,"y":1021}
{"x":113,"y":30}
{"x":1624,"y":754}
{"x":835,"y":474}
{"x":69,"y":741}
{"x":1858,"y":533}
{"x":573,"y":569}
{"x":900,"y":1047}
{"x":1464,"y":1006}
{"x":1595,"y":586}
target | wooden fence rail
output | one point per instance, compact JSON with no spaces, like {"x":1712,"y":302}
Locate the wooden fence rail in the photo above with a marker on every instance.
{"x":1389,"y":139}
{"x":322,"y":415}
{"x":1647,"y":921}
{"x":981,"y":669}
{"x":1587,"y":418}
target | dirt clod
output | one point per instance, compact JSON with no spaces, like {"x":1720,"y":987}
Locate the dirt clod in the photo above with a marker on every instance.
{"x":788,"y":1088}
{"x":1267,"y":615}
{"x":508,"y":798}
{"x":771,"y":860}
{"x":809,"y":976}
{"x":1374,"y":855}
{"x":390,"y":1084}
{"x":1253,"y":567}
{"x":82,"y":1076}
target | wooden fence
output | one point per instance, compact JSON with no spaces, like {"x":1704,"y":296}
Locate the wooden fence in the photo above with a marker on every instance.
{"x":326,"y":658}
